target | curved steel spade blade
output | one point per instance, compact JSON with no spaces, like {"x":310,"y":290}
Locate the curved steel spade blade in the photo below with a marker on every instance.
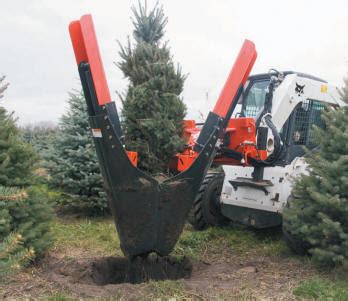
{"x":149,"y":215}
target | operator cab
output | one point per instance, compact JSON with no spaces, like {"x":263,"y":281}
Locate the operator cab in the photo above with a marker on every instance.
{"x":297,"y":131}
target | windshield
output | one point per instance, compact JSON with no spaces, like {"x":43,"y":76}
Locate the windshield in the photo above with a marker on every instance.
{"x":255,"y":98}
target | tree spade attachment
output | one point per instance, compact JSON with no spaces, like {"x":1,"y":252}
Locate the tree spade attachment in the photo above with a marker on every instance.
{"x":149,"y":214}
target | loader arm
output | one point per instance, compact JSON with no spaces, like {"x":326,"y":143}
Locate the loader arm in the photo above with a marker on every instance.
{"x":149,"y":214}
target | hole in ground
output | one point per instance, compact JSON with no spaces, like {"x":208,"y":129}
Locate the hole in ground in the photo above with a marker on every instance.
{"x":112,"y":270}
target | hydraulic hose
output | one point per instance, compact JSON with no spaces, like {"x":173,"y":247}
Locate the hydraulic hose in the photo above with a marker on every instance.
{"x":278,"y":144}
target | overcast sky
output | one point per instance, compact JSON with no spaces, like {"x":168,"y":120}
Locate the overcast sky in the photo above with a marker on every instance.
{"x":205,"y":36}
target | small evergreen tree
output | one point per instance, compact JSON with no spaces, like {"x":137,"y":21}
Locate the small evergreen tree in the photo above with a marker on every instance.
{"x":318,"y":216}
{"x":12,"y":255}
{"x":41,"y":136}
{"x":3,"y":86}
{"x":27,"y":213}
{"x":74,"y":167}
{"x":25,"y":216}
{"x":344,"y":90}
{"x":17,"y":158}
{"x":152,"y":108}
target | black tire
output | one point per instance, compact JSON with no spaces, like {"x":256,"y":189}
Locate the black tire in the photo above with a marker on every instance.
{"x":295,"y":244}
{"x":206,"y":209}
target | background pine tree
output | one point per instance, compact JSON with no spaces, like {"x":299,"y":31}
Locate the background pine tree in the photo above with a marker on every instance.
{"x":41,"y":136}
{"x":318,"y":216}
{"x":3,"y":86}
{"x":74,"y":167}
{"x":344,"y":90}
{"x":17,"y":158}
{"x":25,"y":216}
{"x":152,"y":108}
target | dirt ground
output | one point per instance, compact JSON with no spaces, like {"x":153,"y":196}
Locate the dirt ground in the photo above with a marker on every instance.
{"x":256,"y":278}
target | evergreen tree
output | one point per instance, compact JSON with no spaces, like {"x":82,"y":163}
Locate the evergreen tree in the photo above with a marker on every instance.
{"x":317,"y":219}
{"x":12,"y":255}
{"x":3,"y":86}
{"x":27,"y":213}
{"x":74,"y":167}
{"x":152,"y":108}
{"x":344,"y":90}
{"x":17,"y":158}
{"x":41,"y":136}
{"x":25,"y":216}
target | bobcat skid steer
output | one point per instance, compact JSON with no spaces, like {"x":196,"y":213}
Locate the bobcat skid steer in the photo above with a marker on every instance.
{"x":254,"y":193}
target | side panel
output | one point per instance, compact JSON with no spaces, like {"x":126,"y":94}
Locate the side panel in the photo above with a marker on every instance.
{"x":287,"y":96}
{"x":249,"y":197}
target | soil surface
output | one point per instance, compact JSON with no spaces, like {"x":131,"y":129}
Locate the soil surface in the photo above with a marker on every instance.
{"x":114,"y":270}
{"x":232,"y":276}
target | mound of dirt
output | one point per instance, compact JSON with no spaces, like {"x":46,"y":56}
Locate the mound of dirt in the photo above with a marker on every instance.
{"x":115,"y":270}
{"x":112,"y":270}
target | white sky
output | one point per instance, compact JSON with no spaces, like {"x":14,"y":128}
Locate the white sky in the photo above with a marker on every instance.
{"x":205,"y":36}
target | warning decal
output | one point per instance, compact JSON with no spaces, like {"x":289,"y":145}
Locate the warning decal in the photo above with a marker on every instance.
{"x":97,"y":133}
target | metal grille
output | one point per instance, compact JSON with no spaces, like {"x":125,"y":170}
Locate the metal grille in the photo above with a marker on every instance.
{"x":251,"y":111}
{"x":307,"y":114}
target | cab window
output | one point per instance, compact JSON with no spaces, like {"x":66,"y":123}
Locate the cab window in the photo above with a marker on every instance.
{"x":254,"y":98}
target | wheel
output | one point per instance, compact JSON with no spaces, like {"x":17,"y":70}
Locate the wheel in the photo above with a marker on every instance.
{"x":295,"y":244}
{"x":206,"y":209}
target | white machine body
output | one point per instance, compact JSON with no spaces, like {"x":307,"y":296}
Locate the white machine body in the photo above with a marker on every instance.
{"x":276,"y":197}
{"x":293,"y":92}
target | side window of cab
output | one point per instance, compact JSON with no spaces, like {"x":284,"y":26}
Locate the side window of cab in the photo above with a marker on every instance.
{"x":254,"y":97}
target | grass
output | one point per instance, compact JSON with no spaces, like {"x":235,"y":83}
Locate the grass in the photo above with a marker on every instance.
{"x":99,"y":236}
{"x":95,"y":235}
{"x":231,"y":239}
{"x":57,"y":297}
{"x":168,"y":290}
{"x":318,"y":288}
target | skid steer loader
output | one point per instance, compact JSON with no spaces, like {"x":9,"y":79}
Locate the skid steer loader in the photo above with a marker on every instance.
{"x":259,"y":149}
{"x":251,"y":192}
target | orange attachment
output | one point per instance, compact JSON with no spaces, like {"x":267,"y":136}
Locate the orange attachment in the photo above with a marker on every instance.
{"x":133,"y":157}
{"x":241,"y":137}
{"x":190,"y":132}
{"x":183,"y":160}
{"x":86,"y":50}
{"x":238,"y":75}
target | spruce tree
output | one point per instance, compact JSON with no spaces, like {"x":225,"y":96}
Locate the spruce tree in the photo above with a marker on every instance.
{"x":344,"y":90}
{"x":41,"y":137}
{"x":3,"y":86}
{"x":17,"y":158}
{"x":12,"y":255}
{"x":25,"y":215}
{"x":28,"y":214}
{"x":317,"y":219}
{"x":74,"y":167}
{"x":152,"y":111}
